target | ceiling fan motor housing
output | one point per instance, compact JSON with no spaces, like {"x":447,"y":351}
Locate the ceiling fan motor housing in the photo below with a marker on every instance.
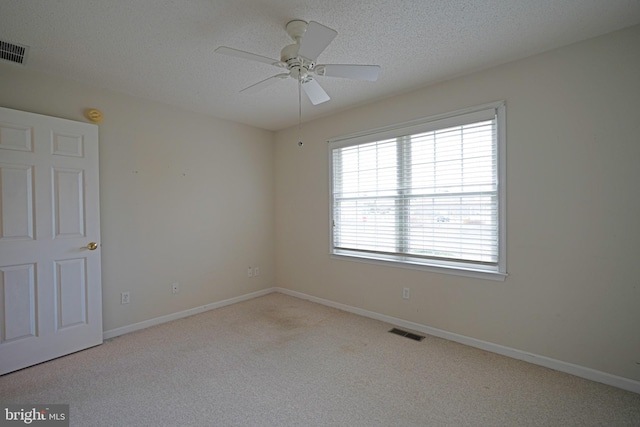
{"x":289,"y":52}
{"x":298,"y":66}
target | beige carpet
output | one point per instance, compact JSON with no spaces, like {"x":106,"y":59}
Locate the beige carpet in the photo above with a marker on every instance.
{"x":281,"y":361}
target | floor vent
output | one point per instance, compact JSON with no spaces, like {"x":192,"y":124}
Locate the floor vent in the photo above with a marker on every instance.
{"x":406,"y":334}
{"x":14,"y":53}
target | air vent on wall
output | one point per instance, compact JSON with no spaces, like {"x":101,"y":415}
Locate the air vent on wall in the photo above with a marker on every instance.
{"x":13,"y":53}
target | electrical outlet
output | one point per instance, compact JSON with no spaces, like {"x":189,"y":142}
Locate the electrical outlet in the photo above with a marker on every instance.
{"x":175,"y":288}
{"x":406,"y":293}
{"x":256,"y":271}
{"x":125,"y":298}
{"x":250,"y":272}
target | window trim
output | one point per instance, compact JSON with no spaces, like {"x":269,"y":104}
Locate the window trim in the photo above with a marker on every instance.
{"x":439,"y":121}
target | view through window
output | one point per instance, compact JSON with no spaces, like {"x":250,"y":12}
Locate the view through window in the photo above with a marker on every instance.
{"x":430,"y":194}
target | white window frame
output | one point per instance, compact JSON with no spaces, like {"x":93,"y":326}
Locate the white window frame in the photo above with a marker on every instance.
{"x":496,"y":271}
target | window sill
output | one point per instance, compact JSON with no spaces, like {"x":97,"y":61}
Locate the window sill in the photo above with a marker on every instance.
{"x":476,"y":273}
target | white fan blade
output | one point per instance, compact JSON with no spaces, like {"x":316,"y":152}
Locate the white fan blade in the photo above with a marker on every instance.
{"x":248,"y":55}
{"x":315,"y":40}
{"x":314,"y":92}
{"x":357,"y":72}
{"x":264,"y":83}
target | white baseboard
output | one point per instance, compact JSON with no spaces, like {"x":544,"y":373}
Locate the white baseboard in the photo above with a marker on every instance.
{"x":547,"y":362}
{"x":112,"y":333}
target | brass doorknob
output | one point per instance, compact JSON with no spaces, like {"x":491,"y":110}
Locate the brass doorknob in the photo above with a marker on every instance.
{"x":91,"y":246}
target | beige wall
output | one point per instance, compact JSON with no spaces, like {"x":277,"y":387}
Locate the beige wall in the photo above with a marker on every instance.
{"x":194,"y":199}
{"x":184,"y":197}
{"x":573,"y":206}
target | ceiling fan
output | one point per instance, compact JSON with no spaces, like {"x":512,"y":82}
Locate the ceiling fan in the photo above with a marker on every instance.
{"x":311,"y":39}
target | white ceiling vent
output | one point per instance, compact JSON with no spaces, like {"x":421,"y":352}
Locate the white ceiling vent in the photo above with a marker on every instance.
{"x":13,"y":53}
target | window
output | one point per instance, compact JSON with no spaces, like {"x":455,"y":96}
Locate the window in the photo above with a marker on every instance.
{"x":426,"y":194}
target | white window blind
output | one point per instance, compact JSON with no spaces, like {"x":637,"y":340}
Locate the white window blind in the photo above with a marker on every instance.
{"x":425,"y":194}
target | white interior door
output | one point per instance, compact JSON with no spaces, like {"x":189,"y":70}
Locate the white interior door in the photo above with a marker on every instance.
{"x":50,"y":288}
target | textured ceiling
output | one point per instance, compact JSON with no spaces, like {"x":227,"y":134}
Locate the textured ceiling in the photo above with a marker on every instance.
{"x":163,"y":49}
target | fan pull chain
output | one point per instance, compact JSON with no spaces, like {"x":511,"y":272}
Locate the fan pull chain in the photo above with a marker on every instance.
{"x":300,"y":143}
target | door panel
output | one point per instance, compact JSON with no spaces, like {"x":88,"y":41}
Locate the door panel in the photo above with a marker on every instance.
{"x":16,"y":213}
{"x":71,"y":292}
{"x":18,"y":302}
{"x":68,"y":191}
{"x":50,"y":285}
{"x":15,"y":137}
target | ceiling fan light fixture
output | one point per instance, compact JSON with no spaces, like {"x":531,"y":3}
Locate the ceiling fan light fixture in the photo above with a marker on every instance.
{"x":300,"y":73}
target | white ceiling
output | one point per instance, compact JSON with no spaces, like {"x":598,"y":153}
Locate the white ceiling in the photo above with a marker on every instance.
{"x":163,"y":49}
